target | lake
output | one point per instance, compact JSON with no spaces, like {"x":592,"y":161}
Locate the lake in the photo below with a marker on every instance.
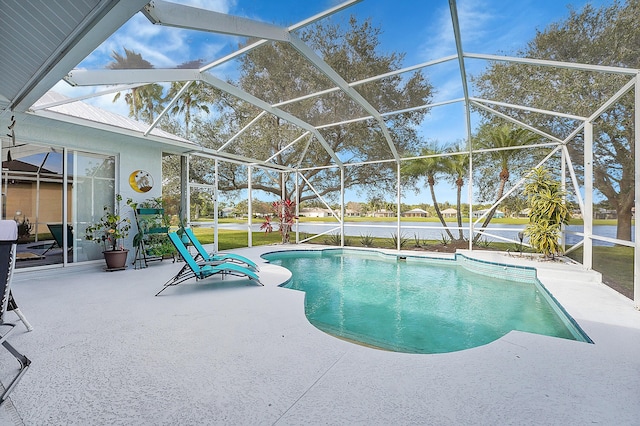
{"x":428,"y":230}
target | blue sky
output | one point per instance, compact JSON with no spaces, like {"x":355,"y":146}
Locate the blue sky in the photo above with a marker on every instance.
{"x":421,"y":29}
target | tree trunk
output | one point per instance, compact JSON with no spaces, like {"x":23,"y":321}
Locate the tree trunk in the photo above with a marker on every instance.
{"x":623,"y":231}
{"x":438,"y":212}
{"x":491,"y":212}
{"x":459,"y":183}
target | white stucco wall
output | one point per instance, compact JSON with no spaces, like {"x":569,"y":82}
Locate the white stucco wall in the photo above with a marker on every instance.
{"x":132,"y":153}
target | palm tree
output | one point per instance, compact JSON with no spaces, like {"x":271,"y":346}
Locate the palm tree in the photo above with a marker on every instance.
{"x":152,"y":99}
{"x":429,"y":167}
{"x":196,"y":97}
{"x":145,"y":99}
{"x":504,"y":138}
{"x":375,"y":204}
{"x":457,"y":167}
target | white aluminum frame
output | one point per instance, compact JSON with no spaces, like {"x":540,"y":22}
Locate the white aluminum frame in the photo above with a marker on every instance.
{"x":170,"y":14}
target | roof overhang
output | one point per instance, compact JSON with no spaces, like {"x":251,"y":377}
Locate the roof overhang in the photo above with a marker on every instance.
{"x":42,"y":41}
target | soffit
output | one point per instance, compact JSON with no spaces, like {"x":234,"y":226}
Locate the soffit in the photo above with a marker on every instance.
{"x":40,"y":41}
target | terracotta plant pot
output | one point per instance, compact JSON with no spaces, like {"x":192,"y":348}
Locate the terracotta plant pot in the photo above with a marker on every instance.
{"x":116,"y":259}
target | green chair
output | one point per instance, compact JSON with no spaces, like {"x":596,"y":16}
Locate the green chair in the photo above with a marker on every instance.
{"x":192,"y":269}
{"x":56,"y":232}
{"x":224,"y":257}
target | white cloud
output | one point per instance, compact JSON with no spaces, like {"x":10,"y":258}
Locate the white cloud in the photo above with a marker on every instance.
{"x":106,"y":102}
{"x":222,"y":6}
{"x":164,"y":47}
{"x":484,"y":28}
{"x":66,"y":89}
{"x":439,"y":39}
{"x":473,"y":20}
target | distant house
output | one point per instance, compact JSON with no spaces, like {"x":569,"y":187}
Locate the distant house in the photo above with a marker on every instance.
{"x":416,"y":213}
{"x":351,"y":213}
{"x":227,"y":212}
{"x":450,"y":212}
{"x":314,"y":212}
{"x":384,"y":213}
{"x":605,"y":214}
{"x":498,"y":214}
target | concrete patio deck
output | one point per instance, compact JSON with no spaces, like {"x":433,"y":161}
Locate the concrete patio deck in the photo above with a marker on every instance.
{"x":106,"y":351}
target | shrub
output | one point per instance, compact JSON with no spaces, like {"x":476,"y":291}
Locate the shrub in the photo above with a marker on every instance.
{"x":366,"y":240}
{"x":402,"y":239}
{"x":548,"y":212}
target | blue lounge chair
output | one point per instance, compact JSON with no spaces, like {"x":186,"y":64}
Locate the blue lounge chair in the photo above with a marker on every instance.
{"x":8,"y":238}
{"x":192,"y":269}
{"x":224,"y":257}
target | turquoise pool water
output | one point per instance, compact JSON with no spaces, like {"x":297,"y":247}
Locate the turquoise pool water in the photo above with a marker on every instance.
{"x":419,"y":306}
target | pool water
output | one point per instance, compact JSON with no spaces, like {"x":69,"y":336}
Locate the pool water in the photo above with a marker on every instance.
{"x":417,"y":307}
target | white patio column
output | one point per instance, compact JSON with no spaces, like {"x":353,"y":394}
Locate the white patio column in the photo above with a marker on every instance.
{"x":563,"y":186}
{"x":398,"y":197}
{"x":215,"y":206}
{"x":636,"y":231}
{"x":470,"y":193}
{"x":587,"y":257}
{"x":249,"y":206}
{"x":297,"y":206}
{"x":65,"y":203}
{"x":341,"y":206}
{"x":184,"y":188}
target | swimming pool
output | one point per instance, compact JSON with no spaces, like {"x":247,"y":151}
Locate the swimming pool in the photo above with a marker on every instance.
{"x":421,"y":305}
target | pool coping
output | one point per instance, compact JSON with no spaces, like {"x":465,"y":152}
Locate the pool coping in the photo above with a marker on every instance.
{"x":467,"y":260}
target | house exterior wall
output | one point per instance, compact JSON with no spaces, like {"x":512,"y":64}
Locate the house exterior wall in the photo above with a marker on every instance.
{"x":131,"y":153}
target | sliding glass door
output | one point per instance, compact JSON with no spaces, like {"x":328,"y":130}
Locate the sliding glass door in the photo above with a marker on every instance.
{"x":53,"y":194}
{"x":93,"y":186}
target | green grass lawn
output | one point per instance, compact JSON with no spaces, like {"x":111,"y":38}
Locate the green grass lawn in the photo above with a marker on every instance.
{"x":615,"y":264}
{"x":230,"y":239}
{"x":506,"y":220}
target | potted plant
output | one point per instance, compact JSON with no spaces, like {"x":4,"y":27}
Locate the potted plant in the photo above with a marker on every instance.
{"x":110,"y":231}
{"x":24,"y":229}
{"x":159,"y":245}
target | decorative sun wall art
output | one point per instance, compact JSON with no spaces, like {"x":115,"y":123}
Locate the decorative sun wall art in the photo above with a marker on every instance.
{"x":141,"y":181}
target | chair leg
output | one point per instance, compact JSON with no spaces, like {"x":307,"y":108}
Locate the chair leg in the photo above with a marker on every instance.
{"x":184,"y":274}
{"x":50,"y":247}
{"x":23,"y":319}
{"x":13,"y":306}
{"x":24,"y":365}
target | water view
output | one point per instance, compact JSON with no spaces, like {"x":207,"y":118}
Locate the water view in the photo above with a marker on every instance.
{"x":429,"y":230}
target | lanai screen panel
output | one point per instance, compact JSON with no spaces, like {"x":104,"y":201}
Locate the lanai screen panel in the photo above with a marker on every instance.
{"x":276,"y":72}
{"x":614,"y":171}
{"x":270,"y":140}
{"x":326,"y":109}
{"x":162,"y":47}
{"x":426,"y":32}
{"x":359,"y":141}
